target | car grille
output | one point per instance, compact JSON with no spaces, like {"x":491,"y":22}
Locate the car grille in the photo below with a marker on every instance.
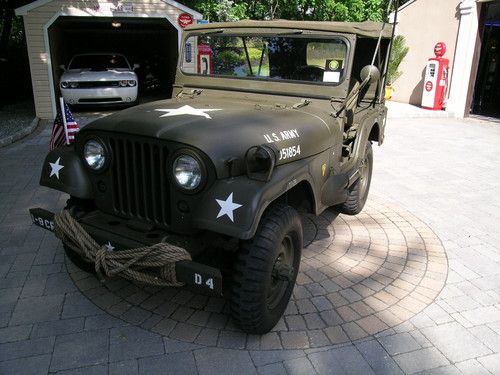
{"x":95,"y":84}
{"x":100,"y":100}
{"x":140,"y":184}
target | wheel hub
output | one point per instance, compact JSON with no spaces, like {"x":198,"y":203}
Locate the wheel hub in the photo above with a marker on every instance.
{"x":282,"y":273}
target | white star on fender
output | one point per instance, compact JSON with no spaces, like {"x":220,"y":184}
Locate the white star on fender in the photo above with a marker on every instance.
{"x":55,"y":168}
{"x":187,"y":110}
{"x":227,"y":207}
{"x":109,"y":247}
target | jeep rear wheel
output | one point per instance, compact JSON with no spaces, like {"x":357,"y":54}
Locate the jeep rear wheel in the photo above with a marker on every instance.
{"x":265,"y":270}
{"x":358,"y":193}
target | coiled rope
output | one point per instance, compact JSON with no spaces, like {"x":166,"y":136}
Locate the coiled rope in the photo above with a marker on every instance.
{"x":154,"y":265}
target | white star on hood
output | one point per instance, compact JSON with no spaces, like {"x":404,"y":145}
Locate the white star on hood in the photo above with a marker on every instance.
{"x":227,"y":207}
{"x":55,"y":168}
{"x":187,"y":110}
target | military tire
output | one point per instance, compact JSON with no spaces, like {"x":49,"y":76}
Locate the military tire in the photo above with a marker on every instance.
{"x":265,"y":270}
{"x":358,"y":193}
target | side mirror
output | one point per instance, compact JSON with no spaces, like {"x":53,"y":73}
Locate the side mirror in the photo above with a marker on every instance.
{"x":63,"y":67}
{"x":370,"y":74}
{"x":136,"y":66}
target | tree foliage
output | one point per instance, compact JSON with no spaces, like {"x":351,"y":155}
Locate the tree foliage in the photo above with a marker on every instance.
{"x":398,"y":53}
{"x":317,"y":10}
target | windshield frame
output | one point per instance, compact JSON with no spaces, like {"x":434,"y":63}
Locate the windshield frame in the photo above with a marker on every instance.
{"x":316,"y":36}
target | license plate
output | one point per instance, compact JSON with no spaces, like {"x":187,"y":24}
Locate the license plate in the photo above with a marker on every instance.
{"x":42,"y":218}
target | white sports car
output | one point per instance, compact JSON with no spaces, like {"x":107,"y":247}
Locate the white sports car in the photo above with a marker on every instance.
{"x":99,"y":78}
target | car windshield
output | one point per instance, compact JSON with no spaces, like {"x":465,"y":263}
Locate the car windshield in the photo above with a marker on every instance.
{"x":282,"y":58}
{"x":99,"y":62}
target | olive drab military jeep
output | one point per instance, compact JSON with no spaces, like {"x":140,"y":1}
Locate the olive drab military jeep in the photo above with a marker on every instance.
{"x":268,"y":119}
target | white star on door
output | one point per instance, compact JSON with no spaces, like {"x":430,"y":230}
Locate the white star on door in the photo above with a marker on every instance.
{"x":55,"y":168}
{"x":227,"y":207}
{"x":188,"y":110}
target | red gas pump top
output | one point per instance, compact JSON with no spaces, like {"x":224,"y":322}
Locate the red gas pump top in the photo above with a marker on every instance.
{"x":440,"y":49}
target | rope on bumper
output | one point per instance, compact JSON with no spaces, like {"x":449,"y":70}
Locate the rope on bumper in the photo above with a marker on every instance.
{"x":154,"y":265}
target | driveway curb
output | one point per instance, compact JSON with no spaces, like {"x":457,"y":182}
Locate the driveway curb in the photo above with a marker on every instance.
{"x":5,"y":141}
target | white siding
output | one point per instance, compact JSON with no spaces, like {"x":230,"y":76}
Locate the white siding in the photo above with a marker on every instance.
{"x":36,"y":20}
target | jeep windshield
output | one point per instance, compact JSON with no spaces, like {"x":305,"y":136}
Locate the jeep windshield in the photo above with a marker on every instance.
{"x":294,"y":58}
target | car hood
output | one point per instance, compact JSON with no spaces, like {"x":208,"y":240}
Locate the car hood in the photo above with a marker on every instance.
{"x":88,"y":75}
{"x":225,"y":128}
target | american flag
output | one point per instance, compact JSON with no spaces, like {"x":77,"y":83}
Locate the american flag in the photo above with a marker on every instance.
{"x":59,"y":132}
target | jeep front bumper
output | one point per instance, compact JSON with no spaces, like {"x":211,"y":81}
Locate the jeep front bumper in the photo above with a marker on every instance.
{"x":120,"y":235}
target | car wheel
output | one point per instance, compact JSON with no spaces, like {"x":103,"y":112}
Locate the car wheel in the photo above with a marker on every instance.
{"x":265,"y":270}
{"x":358,"y":192}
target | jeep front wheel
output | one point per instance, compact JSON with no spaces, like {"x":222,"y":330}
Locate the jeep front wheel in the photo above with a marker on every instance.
{"x":265,"y":270}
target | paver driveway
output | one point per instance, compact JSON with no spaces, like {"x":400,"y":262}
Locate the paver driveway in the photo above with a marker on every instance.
{"x":440,"y":172}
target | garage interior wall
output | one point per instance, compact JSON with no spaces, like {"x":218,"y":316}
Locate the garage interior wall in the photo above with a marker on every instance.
{"x":424,"y":23}
{"x":36,"y":19}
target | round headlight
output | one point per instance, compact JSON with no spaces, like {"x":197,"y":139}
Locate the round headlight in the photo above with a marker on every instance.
{"x":74,"y":85}
{"x":64,"y":84}
{"x":187,"y":172}
{"x":123,"y":83}
{"x":131,"y":83}
{"x":94,"y":154}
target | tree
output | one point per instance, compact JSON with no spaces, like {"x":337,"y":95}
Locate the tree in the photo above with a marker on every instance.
{"x":10,"y":26}
{"x":15,"y":80}
{"x":315,"y":10}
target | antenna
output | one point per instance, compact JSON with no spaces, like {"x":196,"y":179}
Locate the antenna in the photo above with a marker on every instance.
{"x":394,"y":3}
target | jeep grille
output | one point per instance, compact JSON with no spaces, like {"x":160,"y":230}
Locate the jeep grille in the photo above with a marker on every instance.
{"x":141,"y":189}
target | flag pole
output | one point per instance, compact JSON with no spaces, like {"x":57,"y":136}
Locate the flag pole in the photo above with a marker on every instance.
{"x":63,"y":114}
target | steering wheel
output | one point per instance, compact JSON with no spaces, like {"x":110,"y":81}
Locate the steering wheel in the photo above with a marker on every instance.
{"x":310,"y":73}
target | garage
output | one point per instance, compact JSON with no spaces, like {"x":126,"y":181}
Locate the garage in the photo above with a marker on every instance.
{"x":146,"y":32}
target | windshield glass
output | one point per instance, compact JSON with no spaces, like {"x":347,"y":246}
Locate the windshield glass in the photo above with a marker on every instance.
{"x":281,"y":58}
{"x":99,"y":62}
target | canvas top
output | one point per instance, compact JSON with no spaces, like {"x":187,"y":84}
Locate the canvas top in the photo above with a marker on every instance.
{"x":367,"y":29}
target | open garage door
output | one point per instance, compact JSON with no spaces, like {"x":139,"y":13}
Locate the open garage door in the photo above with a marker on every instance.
{"x":150,"y":42}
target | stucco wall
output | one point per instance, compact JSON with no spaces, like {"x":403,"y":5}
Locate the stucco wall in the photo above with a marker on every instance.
{"x":36,"y":20}
{"x":424,"y":23}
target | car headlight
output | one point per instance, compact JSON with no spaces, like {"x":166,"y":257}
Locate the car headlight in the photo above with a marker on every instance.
{"x":187,"y":172}
{"x":64,"y":84}
{"x":94,"y":154}
{"x":132,"y":83}
{"x":73,"y":85}
{"x":123,"y":83}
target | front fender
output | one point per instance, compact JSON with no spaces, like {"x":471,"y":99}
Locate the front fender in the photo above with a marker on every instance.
{"x":246,"y":200}
{"x":63,"y":170}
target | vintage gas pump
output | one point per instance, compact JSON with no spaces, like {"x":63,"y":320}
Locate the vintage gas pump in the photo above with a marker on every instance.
{"x":205,"y":59}
{"x":436,"y":80}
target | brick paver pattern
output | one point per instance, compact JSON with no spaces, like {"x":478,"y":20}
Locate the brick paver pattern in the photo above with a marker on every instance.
{"x":377,"y":293}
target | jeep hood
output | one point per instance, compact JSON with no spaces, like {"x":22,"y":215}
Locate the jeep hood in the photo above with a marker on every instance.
{"x":225,"y":129}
